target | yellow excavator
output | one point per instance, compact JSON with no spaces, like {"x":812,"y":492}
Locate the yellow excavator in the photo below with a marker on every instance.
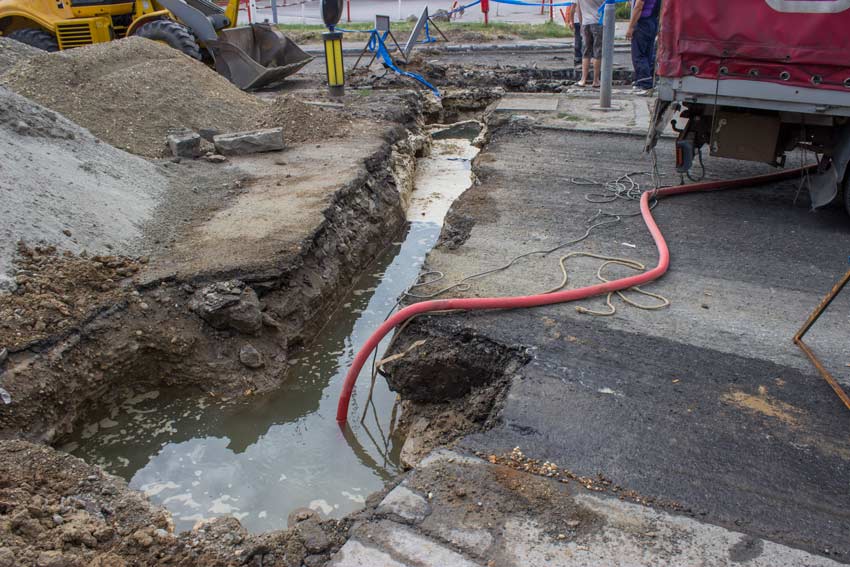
{"x":250,"y":56}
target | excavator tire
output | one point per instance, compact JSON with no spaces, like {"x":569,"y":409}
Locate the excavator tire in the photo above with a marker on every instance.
{"x":176,"y":35}
{"x":37,"y":38}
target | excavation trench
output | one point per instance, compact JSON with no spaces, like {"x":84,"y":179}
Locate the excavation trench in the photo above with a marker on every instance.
{"x":261,"y":457}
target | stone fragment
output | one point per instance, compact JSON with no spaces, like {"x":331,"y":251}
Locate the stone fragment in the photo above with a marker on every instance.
{"x":228,"y":305}
{"x":184,"y":144}
{"x":240,"y":143}
{"x":405,"y":504}
{"x":215,"y":158}
{"x":250,"y":356}
{"x":301,"y":515}
{"x":315,"y":540}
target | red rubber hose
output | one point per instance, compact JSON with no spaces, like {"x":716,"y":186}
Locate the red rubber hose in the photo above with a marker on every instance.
{"x":550,"y":298}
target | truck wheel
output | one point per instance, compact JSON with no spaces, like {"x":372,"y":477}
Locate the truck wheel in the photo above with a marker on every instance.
{"x":37,"y":38}
{"x":177,"y":36}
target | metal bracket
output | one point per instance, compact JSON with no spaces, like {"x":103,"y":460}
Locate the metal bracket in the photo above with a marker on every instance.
{"x":798,"y":338}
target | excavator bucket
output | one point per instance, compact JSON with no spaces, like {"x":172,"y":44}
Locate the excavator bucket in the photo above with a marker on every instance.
{"x":254,"y":56}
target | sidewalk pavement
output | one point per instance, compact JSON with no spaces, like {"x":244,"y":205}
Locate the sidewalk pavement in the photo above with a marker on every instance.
{"x":461,"y":511}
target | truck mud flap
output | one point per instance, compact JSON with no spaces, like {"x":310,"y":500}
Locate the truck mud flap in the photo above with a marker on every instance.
{"x":255,"y":56}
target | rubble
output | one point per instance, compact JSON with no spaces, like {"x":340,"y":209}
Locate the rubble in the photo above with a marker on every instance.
{"x":184,"y":143}
{"x":229,"y":305}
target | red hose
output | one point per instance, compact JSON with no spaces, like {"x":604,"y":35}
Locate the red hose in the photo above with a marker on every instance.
{"x":550,"y":298}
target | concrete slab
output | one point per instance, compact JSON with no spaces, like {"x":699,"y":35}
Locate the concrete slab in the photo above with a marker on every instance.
{"x":505,"y":517}
{"x":528,"y":103}
{"x":355,"y":554}
{"x":412,"y":546}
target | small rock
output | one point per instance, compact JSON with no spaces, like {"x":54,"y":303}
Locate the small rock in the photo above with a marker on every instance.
{"x":241,"y":143}
{"x":250,"y":356}
{"x":268,"y":321}
{"x":301,"y":515}
{"x":215,"y":158}
{"x":573,"y":523}
{"x":314,"y":538}
{"x":58,"y":520}
{"x":184,"y":144}
{"x":143,"y":538}
{"x":229,"y":305}
{"x":66,"y":232}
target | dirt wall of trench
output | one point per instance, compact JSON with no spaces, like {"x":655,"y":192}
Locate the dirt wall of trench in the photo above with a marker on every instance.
{"x":157,"y":333}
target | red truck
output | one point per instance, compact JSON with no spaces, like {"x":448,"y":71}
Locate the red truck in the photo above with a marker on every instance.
{"x":756,"y":79}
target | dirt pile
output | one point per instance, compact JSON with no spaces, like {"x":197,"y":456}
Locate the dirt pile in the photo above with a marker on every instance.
{"x":306,"y":123}
{"x":57,"y":510}
{"x":55,"y":291}
{"x":131,"y":92}
{"x":13,"y":52}
{"x":61,"y":186}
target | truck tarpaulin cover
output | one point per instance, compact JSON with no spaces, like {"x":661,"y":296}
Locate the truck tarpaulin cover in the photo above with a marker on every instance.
{"x":758,"y":39}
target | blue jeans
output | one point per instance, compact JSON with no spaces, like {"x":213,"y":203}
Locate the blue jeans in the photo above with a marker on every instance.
{"x":643,"y":51}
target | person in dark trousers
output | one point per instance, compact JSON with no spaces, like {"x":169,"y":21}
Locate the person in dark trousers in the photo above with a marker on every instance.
{"x":577,"y":35}
{"x":643,"y":28}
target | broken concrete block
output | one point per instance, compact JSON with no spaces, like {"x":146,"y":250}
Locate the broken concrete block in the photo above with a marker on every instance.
{"x":241,"y":143}
{"x":184,"y":144}
{"x":215,"y":158}
{"x":229,"y":305}
{"x":404,"y":503}
{"x":250,"y":356}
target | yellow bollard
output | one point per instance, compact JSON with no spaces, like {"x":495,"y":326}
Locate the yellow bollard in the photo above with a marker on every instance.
{"x":333,"y":62}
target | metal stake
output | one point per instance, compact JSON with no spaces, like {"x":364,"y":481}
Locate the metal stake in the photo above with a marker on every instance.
{"x":798,"y":339}
{"x":608,"y":24}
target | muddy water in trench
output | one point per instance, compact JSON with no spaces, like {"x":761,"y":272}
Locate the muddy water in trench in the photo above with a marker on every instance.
{"x":259,"y":458}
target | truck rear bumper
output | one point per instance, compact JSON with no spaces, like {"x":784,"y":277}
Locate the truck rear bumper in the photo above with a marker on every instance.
{"x":763,"y":95}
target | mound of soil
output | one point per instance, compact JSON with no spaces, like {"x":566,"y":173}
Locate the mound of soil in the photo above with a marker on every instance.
{"x":56,"y":291}
{"x":306,"y":123}
{"x":131,"y":92}
{"x":56,"y":510}
{"x":61,"y":186}
{"x":13,"y":52}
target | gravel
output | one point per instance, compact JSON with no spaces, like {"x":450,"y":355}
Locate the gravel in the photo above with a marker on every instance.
{"x":61,"y":186}
{"x":133,"y":91}
{"x":13,"y":52}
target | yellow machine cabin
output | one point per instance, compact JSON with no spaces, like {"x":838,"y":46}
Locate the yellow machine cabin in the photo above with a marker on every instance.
{"x":249,"y":56}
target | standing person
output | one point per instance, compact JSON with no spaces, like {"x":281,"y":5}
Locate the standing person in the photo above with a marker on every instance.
{"x":576,"y":34}
{"x":591,"y":31}
{"x":643,"y":27}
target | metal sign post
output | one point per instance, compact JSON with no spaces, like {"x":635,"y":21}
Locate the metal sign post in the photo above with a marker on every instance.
{"x":608,"y":23}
